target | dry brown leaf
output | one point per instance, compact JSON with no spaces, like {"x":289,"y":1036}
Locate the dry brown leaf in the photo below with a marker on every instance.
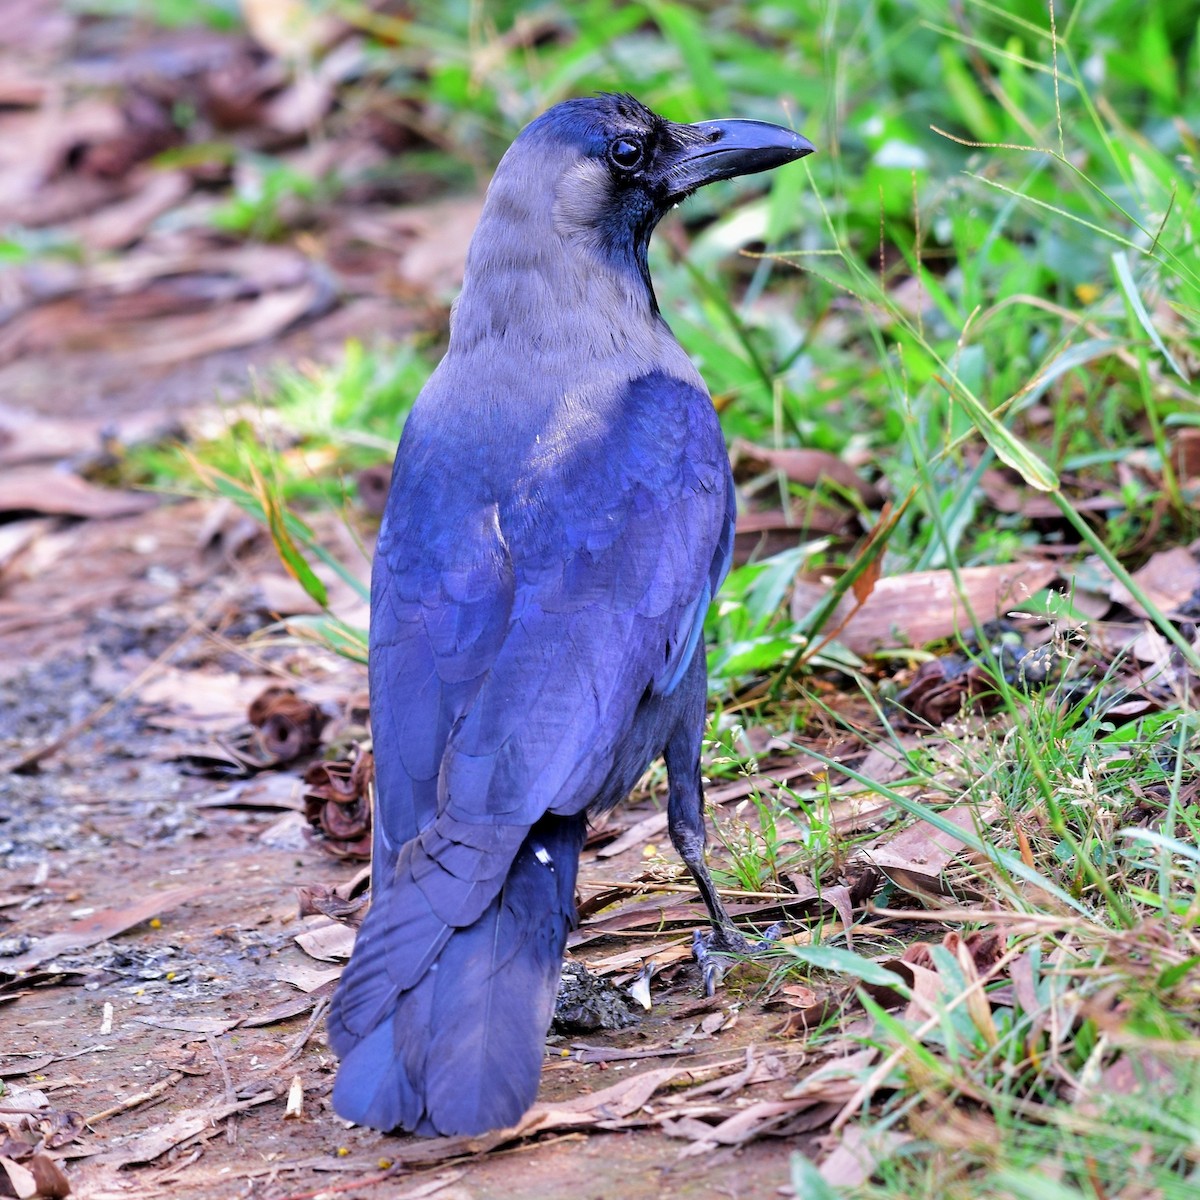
{"x":437,"y":236}
{"x":836,"y":1081}
{"x":290,"y":29}
{"x":45,"y":489}
{"x":635,"y":835}
{"x":663,"y":953}
{"x":123,"y":223}
{"x":803,"y":1017}
{"x":300,"y":106}
{"x":772,"y":530}
{"x":924,"y":986}
{"x":177,"y":339}
{"x":839,"y":899}
{"x":622,"y":1099}
{"x":197,"y":699}
{"x":655,"y":911}
{"x":34,"y":146}
{"x":100,"y":926}
{"x":1185,"y":451}
{"x":272,"y":790}
{"x":916,"y":858}
{"x":37,"y":1177}
{"x":286,"y":1009}
{"x":329,"y":941}
{"x":913,"y":610}
{"x":764,"y":783}
{"x":305,"y":976}
{"x":1008,"y":497}
{"x":858,"y":1152}
{"x":1168,"y":578}
{"x":17,"y":536}
{"x":192,"y":1024}
{"x":27,"y":437}
{"x":756,"y":1120}
{"x":805,"y":467}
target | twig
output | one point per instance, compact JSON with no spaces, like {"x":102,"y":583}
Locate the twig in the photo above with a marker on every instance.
{"x":301,"y":1041}
{"x":982,"y":915}
{"x":599,"y":1054}
{"x":728,"y":893}
{"x":230,"y":1094}
{"x":125,"y":1105}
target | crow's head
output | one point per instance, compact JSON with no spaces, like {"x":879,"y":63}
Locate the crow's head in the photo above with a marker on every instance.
{"x":573,"y":203}
{"x":621,"y":167}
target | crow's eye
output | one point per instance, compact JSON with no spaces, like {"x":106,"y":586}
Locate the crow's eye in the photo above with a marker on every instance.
{"x":625,"y":153}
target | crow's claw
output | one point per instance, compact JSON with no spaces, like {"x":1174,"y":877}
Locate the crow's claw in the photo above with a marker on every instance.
{"x":726,"y":942}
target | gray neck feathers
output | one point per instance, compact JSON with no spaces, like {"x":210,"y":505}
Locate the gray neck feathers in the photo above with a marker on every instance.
{"x":539,"y":288}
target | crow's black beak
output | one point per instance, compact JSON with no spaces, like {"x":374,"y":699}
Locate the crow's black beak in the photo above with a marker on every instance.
{"x":732,"y":147}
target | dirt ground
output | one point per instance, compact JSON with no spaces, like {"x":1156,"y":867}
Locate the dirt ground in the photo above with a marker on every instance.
{"x":161,"y":996}
{"x":179,"y":1036}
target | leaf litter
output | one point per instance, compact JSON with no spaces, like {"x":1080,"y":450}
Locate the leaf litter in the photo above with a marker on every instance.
{"x":159,"y":910}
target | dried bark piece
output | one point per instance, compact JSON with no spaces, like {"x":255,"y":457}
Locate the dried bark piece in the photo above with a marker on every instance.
{"x":288,"y":726}
{"x":338,"y":806}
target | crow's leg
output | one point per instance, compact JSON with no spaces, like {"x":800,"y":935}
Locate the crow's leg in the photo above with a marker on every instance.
{"x":685,"y":821}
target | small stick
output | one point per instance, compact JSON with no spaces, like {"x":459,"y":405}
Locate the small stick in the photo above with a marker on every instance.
{"x":133,"y":1101}
{"x":230,"y":1094}
{"x":298,"y":1045}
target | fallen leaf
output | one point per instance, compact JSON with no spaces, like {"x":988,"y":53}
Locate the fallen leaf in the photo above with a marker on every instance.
{"x":435,"y":236}
{"x":836,"y":1081}
{"x":271,"y":790}
{"x":46,"y":489}
{"x":286,"y":1009}
{"x":100,"y":926}
{"x":1168,"y":578}
{"x":17,"y":536}
{"x":1185,"y":451}
{"x":118,"y":225}
{"x":916,"y":858}
{"x":635,"y":835}
{"x":858,"y":1154}
{"x":923,"y":607}
{"x":329,"y":941}
{"x":178,"y":698}
{"x":192,"y":1024}
{"x":805,"y":467}
{"x":609,"y":1104}
{"x":290,"y":29}
{"x":178,"y":339}
{"x":305,"y":976}
{"x":764,"y":783}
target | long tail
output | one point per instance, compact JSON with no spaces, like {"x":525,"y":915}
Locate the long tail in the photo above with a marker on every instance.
{"x":440,"y":1025}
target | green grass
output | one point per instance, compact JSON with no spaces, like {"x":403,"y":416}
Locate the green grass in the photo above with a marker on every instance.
{"x":991,"y":265}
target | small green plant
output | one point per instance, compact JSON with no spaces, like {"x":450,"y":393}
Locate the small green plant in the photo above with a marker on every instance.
{"x":270,"y":199}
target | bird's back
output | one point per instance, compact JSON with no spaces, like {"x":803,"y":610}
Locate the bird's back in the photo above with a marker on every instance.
{"x":561,"y":513}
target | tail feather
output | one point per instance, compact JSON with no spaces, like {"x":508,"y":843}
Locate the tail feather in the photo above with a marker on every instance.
{"x":442,"y":881}
{"x":458,"y":1050}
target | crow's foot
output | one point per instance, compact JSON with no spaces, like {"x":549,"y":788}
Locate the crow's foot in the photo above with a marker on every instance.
{"x":710,"y":946}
